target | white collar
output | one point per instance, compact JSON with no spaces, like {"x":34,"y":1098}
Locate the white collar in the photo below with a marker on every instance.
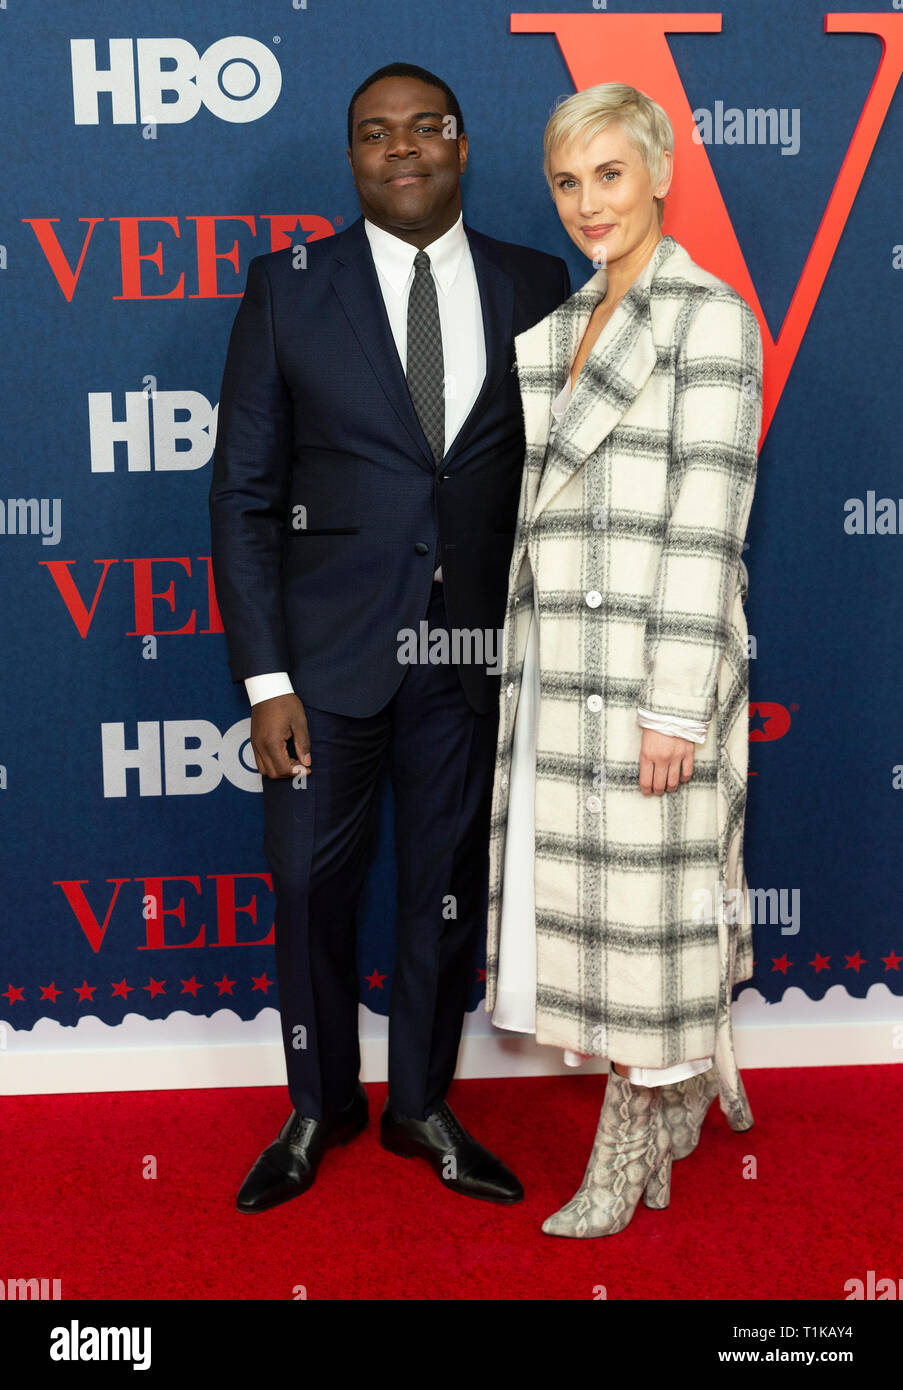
{"x":394,"y":258}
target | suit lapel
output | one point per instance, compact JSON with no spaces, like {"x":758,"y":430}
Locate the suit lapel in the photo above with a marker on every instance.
{"x":619,"y":365}
{"x":357,"y":287}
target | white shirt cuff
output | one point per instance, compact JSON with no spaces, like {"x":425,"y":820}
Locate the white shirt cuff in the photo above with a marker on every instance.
{"x":693,"y":729}
{"x":267,"y":686}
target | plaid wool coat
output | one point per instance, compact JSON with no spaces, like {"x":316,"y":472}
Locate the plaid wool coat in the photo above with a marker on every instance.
{"x":631,"y":526}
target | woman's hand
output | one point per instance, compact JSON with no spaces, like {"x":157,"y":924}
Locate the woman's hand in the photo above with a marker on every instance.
{"x":665,"y":762}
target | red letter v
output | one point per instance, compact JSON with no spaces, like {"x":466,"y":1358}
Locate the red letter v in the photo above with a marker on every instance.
{"x":66,"y":277}
{"x":59,"y":573}
{"x":633,"y":48}
{"x":75,"y":896}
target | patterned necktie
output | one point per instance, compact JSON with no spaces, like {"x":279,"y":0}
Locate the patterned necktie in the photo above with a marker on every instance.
{"x":425,"y":369}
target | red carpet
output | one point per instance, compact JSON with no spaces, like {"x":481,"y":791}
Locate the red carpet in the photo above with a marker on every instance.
{"x":825,"y":1207}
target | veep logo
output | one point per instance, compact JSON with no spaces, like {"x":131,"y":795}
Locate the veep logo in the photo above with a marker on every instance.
{"x":178,"y":445}
{"x":192,"y":754}
{"x":237,"y":79}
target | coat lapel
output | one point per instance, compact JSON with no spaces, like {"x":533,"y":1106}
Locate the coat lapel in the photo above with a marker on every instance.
{"x":619,"y":365}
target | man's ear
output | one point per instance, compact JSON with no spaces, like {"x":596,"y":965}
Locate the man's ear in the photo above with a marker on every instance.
{"x":350,"y":160}
{"x":462,"y":153}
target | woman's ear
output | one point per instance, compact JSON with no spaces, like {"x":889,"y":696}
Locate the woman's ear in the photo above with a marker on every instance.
{"x":664,"y":183}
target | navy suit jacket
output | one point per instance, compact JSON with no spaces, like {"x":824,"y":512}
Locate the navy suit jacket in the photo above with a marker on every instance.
{"x":326,"y":504}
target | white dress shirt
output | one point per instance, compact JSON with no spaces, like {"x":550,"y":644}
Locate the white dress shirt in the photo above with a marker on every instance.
{"x":463,"y":345}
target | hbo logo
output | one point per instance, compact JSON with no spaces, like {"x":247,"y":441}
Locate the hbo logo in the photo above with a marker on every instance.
{"x":237,"y":79}
{"x":192,"y":755}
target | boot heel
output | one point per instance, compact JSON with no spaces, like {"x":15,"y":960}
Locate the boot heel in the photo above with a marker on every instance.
{"x":657,"y":1193}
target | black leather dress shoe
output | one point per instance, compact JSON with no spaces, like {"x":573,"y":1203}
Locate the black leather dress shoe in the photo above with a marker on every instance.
{"x":462,"y":1164}
{"x":288,"y":1167}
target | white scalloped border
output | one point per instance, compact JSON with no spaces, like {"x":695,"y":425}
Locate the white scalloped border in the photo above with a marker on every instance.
{"x":188,"y":1051}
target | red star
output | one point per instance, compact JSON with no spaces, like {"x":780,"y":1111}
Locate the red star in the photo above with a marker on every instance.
{"x":224,"y":986}
{"x":781,"y":963}
{"x":191,"y":987}
{"x":15,"y":994}
{"x":481,"y":975}
{"x":85,"y":992}
{"x":50,"y":992}
{"x":375,"y":981}
{"x":821,"y":962}
{"x":854,"y":962}
{"x":122,"y":989}
{"x":892,"y":962}
{"x":261,"y":982}
{"x":155,"y":987}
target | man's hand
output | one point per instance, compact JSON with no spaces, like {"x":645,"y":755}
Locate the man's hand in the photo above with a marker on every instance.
{"x":273,"y":723}
{"x":665,"y":762}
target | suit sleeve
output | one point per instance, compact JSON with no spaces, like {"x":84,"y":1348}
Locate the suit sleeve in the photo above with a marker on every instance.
{"x":716,"y":422}
{"x":250,"y":487}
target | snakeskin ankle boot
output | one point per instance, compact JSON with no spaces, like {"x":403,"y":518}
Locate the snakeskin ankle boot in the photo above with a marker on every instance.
{"x":631,"y":1158}
{"x":685,"y":1105}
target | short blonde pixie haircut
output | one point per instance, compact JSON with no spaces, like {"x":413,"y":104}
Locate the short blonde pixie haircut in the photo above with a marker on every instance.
{"x":588,"y":112}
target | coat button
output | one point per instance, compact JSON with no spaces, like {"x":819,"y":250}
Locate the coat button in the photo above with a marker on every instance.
{"x":509,"y":692}
{"x":594,"y":702}
{"x":593,"y":803}
{"x":594,"y":598}
{"x":421,"y":548}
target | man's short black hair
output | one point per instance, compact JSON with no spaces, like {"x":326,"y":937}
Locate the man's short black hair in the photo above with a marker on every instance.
{"x":408,"y":70}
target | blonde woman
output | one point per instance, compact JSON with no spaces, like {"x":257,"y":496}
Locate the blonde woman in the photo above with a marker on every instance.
{"x":618,"y":919}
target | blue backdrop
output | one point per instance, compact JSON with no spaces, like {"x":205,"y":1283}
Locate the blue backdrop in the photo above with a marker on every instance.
{"x":135,"y":880}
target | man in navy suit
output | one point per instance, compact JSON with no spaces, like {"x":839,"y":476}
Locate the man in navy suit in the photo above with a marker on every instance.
{"x":366,"y":477}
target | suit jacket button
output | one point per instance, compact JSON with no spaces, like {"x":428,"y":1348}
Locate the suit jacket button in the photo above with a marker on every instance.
{"x":421,"y":548}
{"x":594,"y":598}
{"x":594,"y":702}
{"x":593,"y":803}
{"x":503,"y":781}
